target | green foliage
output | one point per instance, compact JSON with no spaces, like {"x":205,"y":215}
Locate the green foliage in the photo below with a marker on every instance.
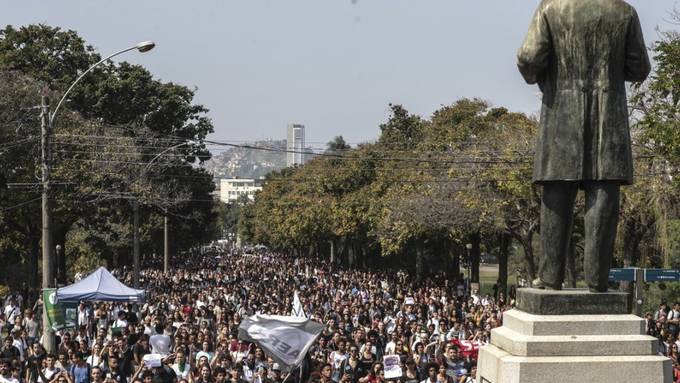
{"x":116,"y":120}
{"x":402,"y":130}
{"x":655,"y":293}
{"x":659,"y":101}
{"x":650,"y":209}
{"x":416,"y":194}
{"x":674,"y":245}
{"x":337,"y":145}
{"x":47,"y":54}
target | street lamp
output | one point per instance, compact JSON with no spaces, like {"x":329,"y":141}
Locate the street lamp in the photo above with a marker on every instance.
{"x":47,"y":122}
{"x":185,"y":143}
{"x":142,"y":47}
{"x":135,"y":221}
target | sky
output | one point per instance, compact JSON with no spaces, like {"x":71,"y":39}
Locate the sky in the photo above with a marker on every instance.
{"x":332,"y":65}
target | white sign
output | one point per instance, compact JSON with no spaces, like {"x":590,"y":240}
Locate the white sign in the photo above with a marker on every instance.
{"x":392,"y":368}
{"x":152,"y":360}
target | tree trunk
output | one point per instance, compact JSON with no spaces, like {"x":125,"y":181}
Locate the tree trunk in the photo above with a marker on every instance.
{"x":342,"y":251}
{"x":631,"y":242}
{"x":529,"y":257}
{"x":503,"y":255}
{"x":454,"y":265}
{"x":420,"y":263}
{"x":332,"y":244}
{"x":474,"y":257}
{"x":439,"y":257}
{"x":351,"y":258}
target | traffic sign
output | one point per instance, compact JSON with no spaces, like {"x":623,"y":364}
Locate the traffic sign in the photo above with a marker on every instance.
{"x":622,"y":274}
{"x":662,"y":275}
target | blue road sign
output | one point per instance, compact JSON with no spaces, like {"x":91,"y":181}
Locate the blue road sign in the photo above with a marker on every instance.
{"x":661,"y":275}
{"x":618,"y":275}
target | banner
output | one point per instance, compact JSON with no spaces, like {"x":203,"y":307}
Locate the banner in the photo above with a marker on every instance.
{"x":60,"y":315}
{"x":285,"y":339}
{"x":468,"y":348}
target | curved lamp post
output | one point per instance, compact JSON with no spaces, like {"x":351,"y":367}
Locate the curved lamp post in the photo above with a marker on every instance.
{"x":47,"y":119}
{"x":142,"y":47}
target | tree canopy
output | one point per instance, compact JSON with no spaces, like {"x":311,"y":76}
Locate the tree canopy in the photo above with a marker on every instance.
{"x":120,"y":136}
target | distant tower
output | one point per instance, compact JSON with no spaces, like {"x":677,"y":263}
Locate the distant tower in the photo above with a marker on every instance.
{"x":295,"y":145}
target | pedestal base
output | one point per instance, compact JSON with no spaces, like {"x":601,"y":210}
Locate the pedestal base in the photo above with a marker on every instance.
{"x":498,"y":366}
{"x":577,"y":346}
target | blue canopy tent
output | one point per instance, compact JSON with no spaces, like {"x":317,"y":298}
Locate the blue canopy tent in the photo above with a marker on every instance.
{"x":99,"y":286}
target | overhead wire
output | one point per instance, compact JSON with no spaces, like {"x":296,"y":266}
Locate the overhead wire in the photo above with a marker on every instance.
{"x":21,"y":204}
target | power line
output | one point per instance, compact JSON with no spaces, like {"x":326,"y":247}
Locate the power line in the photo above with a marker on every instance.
{"x":22,"y":204}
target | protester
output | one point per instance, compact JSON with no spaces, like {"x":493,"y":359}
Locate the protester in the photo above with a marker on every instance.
{"x":187,"y":329}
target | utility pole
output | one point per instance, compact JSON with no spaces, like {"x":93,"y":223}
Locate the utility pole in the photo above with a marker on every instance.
{"x":135,"y":235}
{"x":47,"y":260}
{"x":166,"y":245}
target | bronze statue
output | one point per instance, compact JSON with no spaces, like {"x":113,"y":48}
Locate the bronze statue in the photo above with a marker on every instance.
{"x":581,"y":53}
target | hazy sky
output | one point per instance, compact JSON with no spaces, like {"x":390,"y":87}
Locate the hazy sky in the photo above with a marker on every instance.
{"x":332,"y":65}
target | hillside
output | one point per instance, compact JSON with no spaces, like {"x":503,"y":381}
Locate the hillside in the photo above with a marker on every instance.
{"x":248,"y":163}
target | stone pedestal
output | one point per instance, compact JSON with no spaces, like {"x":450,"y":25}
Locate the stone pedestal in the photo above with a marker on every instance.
{"x":571,"y":336}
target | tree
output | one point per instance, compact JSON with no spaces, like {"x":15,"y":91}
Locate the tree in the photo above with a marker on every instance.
{"x":146,"y":115}
{"x":337,"y":145}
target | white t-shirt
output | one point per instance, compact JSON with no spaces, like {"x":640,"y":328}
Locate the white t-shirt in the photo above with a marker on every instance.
{"x":94,"y":361}
{"x":21,"y":346}
{"x":49,"y":374}
{"x":83,"y":317}
{"x":8,"y":379}
{"x":337,"y":358}
{"x":180,"y":374}
{"x":11,"y":312}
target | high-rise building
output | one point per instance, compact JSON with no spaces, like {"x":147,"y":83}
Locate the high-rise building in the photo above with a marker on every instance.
{"x":296,"y":145}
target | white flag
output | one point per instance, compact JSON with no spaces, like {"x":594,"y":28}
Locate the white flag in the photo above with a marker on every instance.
{"x":298,"y":310}
{"x":285,"y":339}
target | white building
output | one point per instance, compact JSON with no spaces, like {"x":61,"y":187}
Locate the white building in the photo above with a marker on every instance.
{"x":295,"y":145}
{"x":233,"y":188}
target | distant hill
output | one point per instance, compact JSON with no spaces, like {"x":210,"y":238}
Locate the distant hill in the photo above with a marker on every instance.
{"x":249,"y":163}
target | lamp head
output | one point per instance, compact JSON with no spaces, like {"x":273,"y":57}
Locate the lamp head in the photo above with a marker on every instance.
{"x":145,"y":46}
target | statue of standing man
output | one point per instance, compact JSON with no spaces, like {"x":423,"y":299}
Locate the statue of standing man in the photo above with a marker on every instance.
{"x":581,"y":53}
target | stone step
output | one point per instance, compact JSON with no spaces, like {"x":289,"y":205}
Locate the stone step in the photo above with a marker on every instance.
{"x":498,"y":366}
{"x":530,"y":324}
{"x":518,"y":344}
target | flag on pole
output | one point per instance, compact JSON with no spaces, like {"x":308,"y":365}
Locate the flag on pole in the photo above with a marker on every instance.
{"x":285,"y":339}
{"x":298,"y":310}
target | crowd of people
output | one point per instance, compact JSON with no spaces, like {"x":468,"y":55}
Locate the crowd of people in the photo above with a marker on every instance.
{"x":189,"y":323}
